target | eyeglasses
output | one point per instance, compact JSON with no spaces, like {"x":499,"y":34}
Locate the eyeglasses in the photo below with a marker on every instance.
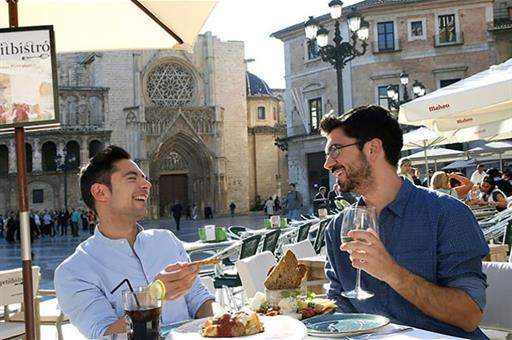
{"x":335,"y":150}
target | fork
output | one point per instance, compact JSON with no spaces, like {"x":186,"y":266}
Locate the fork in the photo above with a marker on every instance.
{"x":387,"y":332}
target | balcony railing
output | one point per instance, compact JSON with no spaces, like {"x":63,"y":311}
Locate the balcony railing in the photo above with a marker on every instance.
{"x":441,"y":40}
{"x":382,"y":47}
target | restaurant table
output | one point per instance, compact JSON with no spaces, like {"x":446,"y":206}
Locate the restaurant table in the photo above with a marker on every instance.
{"x":415,"y":333}
{"x":200,"y":246}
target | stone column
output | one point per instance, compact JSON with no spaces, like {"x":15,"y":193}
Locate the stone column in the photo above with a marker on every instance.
{"x":36,"y":155}
{"x":12,"y":156}
{"x":84,"y":151}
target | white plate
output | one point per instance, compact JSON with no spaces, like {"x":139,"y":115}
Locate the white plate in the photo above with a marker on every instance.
{"x":276,"y":327}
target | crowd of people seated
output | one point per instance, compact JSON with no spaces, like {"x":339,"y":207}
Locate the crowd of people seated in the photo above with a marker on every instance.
{"x":489,"y":187}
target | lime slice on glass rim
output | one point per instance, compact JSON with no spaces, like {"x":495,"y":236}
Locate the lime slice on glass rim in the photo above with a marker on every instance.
{"x":157,"y":290}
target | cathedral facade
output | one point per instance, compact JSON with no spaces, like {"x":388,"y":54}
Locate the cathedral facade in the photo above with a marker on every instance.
{"x":184,"y":117}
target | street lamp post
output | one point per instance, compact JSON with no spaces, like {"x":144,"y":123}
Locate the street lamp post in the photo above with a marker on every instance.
{"x":63,"y":164}
{"x":418,"y":90}
{"x":341,"y":52}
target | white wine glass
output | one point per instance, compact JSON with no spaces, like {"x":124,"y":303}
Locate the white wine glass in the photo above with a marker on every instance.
{"x":358,"y":218}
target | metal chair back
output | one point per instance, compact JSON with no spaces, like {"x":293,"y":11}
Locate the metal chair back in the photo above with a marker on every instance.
{"x":270,"y":241}
{"x":320,"y":236}
{"x":249,"y":246}
{"x":303,"y":231}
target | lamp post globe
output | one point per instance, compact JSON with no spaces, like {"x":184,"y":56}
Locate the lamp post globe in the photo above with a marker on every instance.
{"x":340,"y":52}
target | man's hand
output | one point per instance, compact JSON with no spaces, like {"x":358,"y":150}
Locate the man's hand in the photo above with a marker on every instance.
{"x":178,"y":279}
{"x":368,"y":253}
{"x":451,"y":305}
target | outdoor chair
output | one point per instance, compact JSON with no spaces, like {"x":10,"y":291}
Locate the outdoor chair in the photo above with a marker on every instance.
{"x":235,"y":232}
{"x":320,"y":236}
{"x":303,"y":231}
{"x":301,"y":249}
{"x":253,"y":271}
{"x":270,"y":241}
{"x":11,"y":293}
{"x":229,"y":279}
{"x":497,"y":320}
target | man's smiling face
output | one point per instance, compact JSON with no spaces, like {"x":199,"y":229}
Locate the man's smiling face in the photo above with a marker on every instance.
{"x":350,"y":165}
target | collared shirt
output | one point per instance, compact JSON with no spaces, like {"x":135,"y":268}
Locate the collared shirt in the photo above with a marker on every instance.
{"x":430,"y":234}
{"x":84,"y":280}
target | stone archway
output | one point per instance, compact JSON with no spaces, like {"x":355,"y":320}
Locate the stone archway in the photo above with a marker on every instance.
{"x":183,"y":165}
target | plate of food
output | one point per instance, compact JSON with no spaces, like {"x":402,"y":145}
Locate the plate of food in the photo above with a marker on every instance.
{"x":250,"y":326}
{"x":283,"y":294}
{"x":340,"y":325}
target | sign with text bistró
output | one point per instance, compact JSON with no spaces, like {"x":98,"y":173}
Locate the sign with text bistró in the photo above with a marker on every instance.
{"x":28,"y":77}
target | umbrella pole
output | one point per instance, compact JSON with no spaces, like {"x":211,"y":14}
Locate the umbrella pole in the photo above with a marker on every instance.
{"x":426,"y":162}
{"x":21,"y":179}
{"x":26,"y":255}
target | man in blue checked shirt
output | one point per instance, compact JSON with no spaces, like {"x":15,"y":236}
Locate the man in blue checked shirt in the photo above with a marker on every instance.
{"x":425,"y":266}
{"x":117,"y":190}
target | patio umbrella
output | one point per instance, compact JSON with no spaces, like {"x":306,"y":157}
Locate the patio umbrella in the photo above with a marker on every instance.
{"x":477,"y":107}
{"x":460,"y":165}
{"x":499,"y":148}
{"x":423,"y":138}
{"x":437,"y":154}
{"x":96,"y":25}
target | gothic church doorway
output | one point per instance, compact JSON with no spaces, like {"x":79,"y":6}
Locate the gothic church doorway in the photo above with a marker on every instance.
{"x":172,"y":188}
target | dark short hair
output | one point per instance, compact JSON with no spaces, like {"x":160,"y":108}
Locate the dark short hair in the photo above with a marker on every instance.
{"x":365,"y":123}
{"x":489,"y":179}
{"x":493,"y":172}
{"x":99,"y":170}
{"x":480,"y":166}
{"x":292,"y":184}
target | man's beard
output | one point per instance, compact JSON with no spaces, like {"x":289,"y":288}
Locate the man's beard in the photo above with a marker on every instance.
{"x":357,"y":177}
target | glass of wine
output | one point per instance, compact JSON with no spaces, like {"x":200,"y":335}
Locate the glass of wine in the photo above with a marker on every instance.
{"x":360,"y":217}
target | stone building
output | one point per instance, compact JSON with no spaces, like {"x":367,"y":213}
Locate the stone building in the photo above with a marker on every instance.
{"x":184,"y":117}
{"x":436,"y":42}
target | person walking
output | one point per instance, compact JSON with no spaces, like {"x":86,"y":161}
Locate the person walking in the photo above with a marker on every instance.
{"x":232,"y":208}
{"x":75,"y":219}
{"x":293,"y":202}
{"x":176,"y":211}
{"x":269,"y":207}
{"x":193,"y":212}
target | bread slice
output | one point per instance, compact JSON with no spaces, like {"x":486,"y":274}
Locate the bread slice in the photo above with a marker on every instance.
{"x":286,"y":274}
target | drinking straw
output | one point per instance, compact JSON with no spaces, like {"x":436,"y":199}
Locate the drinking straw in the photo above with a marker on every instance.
{"x":131,"y":289}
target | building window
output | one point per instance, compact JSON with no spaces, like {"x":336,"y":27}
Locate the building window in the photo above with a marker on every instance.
{"x":261,"y":113}
{"x":383,"y":95}
{"x":95,"y":146}
{"x":315,"y":112}
{"x":49,"y":153}
{"x":28,"y":157}
{"x":4,"y":160}
{"x":170,"y":84}
{"x":37,"y":196}
{"x":73,"y":155}
{"x":447,"y":82}
{"x":416,"y":29}
{"x":313,"y":49}
{"x":447,"y":31}
{"x":386,"y":35}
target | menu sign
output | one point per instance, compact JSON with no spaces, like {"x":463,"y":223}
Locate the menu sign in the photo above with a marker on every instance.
{"x":28,"y":78}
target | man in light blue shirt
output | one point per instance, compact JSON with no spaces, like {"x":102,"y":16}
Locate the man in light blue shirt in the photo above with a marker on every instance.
{"x":117,"y":190}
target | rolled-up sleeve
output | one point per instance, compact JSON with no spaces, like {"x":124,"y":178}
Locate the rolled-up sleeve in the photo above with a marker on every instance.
{"x":83,"y":302}
{"x":460,"y":251}
{"x":199,"y":294}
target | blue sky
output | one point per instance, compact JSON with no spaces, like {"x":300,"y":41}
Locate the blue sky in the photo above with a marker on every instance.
{"x":252,"y":21}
